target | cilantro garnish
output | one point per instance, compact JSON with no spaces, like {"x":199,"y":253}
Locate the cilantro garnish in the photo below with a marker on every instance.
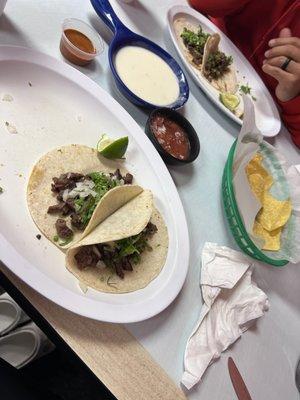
{"x":195,"y":42}
{"x":86,"y":206}
{"x":246,"y":89}
{"x":62,"y":242}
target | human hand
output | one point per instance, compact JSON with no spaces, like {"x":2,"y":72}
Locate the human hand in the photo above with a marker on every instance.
{"x":283,"y":48}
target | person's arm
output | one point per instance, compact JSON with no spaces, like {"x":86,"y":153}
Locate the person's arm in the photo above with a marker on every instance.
{"x":218,"y":8}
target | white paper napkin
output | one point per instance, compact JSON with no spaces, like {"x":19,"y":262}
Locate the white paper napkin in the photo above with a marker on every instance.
{"x":232,"y":302}
{"x":247,"y":145}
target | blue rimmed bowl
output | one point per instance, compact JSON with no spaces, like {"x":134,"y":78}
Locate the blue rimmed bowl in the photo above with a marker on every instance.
{"x":125,"y":37}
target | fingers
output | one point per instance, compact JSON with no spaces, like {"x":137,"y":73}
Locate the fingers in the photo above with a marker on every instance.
{"x":292,"y":67}
{"x":285,"y":32}
{"x":286,"y":88}
{"x":281,"y":41}
{"x":288,"y":50}
{"x":276,"y":72}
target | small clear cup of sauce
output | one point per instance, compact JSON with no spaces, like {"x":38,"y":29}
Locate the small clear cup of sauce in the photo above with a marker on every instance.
{"x":80,"y":43}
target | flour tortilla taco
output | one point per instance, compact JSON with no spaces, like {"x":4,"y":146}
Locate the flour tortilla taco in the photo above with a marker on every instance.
{"x":217,"y":67}
{"x":125,"y":252}
{"x":117,"y":241}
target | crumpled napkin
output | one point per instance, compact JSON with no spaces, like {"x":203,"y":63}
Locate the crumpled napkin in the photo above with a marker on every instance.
{"x":232,"y":301}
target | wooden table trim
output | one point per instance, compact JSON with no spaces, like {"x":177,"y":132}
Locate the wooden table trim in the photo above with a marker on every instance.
{"x":108,"y":350}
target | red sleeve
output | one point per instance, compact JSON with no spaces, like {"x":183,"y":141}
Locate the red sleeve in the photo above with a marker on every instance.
{"x":291,"y":117}
{"x":218,"y":8}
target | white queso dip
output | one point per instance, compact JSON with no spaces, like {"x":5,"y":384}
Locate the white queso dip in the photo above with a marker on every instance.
{"x":147,"y":75}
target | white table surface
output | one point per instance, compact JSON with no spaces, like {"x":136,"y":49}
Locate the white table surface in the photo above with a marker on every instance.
{"x":267,"y":354}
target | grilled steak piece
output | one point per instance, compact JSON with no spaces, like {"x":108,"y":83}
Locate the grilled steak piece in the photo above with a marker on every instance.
{"x":77,"y":222}
{"x":62,"y":229}
{"x":64,"y":208}
{"x":126,"y":265}
{"x":150,"y":229}
{"x":65,"y":181}
{"x":119,"y":270}
{"x":59,"y":197}
{"x":117,"y":174}
{"x":86,"y":257}
{"x":128,"y":179}
{"x":74,"y":176}
{"x":57,"y":208}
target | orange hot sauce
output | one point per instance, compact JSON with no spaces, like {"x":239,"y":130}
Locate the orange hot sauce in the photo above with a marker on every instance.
{"x":82,"y":42}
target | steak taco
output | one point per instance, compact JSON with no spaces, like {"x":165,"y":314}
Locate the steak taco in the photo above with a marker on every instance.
{"x":117,"y":241}
{"x":217,"y":67}
{"x":126,"y":251}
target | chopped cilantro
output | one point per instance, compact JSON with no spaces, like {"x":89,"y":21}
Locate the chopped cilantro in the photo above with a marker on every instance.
{"x":131,"y":247}
{"x":195,"y":42}
{"x":1,"y":189}
{"x":55,"y":238}
{"x":86,"y":206}
{"x":246,"y":89}
{"x":65,"y":242}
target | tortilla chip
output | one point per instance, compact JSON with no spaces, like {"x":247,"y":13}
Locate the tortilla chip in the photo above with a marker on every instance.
{"x":259,"y":179}
{"x":254,"y":167}
{"x":271,"y":239}
{"x":260,"y":185}
{"x":274,"y":213}
{"x":268,"y":182}
{"x":257,"y":184}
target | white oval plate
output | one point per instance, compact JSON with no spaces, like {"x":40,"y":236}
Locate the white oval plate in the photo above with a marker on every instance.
{"x":266,"y":113}
{"x":53,"y":105}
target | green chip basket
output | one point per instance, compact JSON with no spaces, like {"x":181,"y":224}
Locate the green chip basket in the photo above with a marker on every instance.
{"x":235,"y":220}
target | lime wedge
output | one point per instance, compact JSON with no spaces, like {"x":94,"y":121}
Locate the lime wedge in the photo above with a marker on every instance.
{"x":230,"y":101}
{"x":112,"y":149}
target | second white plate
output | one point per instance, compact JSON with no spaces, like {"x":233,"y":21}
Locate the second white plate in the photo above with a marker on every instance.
{"x":266,"y":113}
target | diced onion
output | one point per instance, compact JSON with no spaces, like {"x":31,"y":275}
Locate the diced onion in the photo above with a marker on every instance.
{"x":65,"y":195}
{"x":82,"y":189}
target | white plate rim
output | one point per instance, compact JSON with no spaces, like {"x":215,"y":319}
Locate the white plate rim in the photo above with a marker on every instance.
{"x":190,"y":11}
{"x":52,"y":290}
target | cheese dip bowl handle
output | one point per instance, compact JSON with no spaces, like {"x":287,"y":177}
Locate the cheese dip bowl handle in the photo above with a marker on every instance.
{"x":107,"y":14}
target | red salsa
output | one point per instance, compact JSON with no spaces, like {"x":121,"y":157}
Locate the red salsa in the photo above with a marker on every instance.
{"x":171,"y":136}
